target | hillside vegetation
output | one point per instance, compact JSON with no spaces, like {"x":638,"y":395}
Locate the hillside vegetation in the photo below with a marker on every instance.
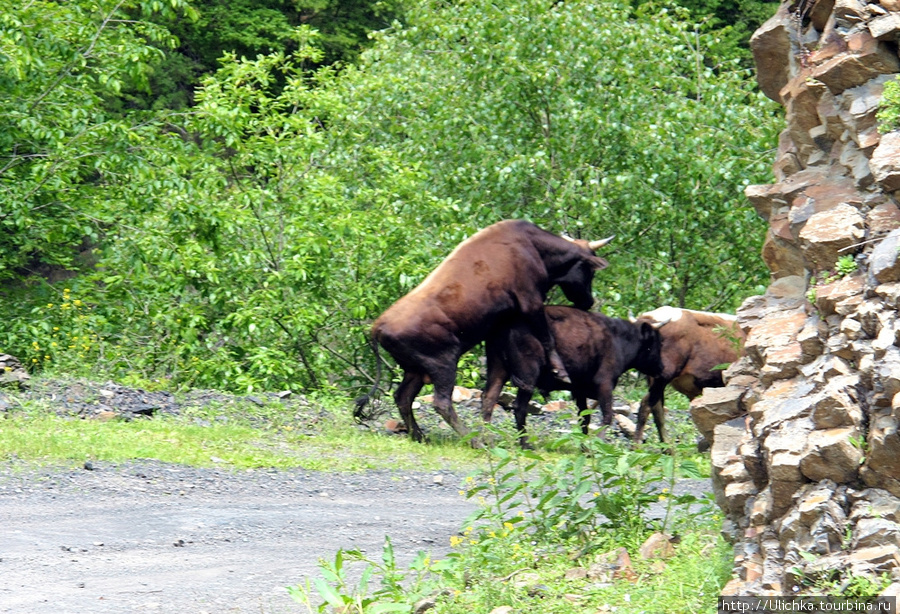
{"x":244,"y":236}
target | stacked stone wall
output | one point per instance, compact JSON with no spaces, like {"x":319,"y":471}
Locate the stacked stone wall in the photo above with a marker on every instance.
{"x":806,"y":449}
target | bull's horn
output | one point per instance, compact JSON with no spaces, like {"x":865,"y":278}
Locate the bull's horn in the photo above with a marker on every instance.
{"x":598,"y":244}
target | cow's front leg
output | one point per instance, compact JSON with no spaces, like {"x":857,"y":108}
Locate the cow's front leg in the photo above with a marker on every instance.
{"x":653,"y":402}
{"x":523,"y":398}
{"x":584,"y":414}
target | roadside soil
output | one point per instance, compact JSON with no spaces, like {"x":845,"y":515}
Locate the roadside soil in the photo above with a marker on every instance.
{"x":150,"y":537}
{"x":147,"y":536}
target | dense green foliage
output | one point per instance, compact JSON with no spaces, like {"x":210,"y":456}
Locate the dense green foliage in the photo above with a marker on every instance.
{"x":61,"y":154}
{"x":734,"y":20}
{"x":249,"y":242}
{"x":586,"y":122}
{"x":249,"y":28}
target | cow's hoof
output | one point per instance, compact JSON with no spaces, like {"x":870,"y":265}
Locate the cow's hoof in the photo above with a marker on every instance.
{"x":418,"y":436}
{"x":562,"y":376}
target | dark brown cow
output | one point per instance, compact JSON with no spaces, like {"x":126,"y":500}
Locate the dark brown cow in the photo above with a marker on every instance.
{"x":594,"y":348}
{"x":503,"y":270}
{"x":694,"y":343}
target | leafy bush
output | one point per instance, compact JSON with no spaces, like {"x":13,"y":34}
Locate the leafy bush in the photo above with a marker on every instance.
{"x":399,"y":589}
{"x":581,"y":496}
{"x":249,"y":243}
{"x":888,"y":114}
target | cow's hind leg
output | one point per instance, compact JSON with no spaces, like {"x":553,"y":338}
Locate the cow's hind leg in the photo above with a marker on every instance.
{"x":497,"y":375}
{"x":525,"y":366}
{"x":407,"y":390}
{"x":443,"y":400}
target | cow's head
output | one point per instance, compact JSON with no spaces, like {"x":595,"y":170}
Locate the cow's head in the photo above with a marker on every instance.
{"x":575,"y":281}
{"x":649,"y":357}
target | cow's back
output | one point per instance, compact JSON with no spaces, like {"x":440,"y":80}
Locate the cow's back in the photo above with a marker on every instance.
{"x":475,"y":283}
{"x":718,"y":338}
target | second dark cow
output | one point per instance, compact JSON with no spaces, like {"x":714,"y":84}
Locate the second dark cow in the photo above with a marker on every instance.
{"x":595,"y":349}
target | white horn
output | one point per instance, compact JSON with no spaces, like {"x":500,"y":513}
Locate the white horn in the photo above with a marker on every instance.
{"x":594,"y":245}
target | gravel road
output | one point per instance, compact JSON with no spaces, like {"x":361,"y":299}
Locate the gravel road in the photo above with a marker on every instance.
{"x":150,"y":537}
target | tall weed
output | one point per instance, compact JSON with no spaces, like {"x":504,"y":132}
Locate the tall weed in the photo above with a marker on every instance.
{"x":535,"y":511}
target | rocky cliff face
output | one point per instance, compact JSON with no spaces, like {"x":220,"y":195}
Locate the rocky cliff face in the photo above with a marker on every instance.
{"x":806,"y":450}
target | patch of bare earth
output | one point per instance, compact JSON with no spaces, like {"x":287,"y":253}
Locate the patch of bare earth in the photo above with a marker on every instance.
{"x":151,"y":537}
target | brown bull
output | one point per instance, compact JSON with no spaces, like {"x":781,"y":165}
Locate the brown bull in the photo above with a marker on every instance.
{"x":595,"y":349}
{"x":694,"y":344}
{"x":502,"y":271}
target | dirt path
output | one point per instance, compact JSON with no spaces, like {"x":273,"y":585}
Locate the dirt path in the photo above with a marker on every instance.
{"x":151,"y":537}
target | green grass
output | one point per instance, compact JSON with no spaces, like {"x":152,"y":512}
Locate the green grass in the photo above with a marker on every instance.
{"x":239,"y":435}
{"x":236,"y":432}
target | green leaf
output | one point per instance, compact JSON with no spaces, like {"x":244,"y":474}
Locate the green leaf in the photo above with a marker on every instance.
{"x":328,"y":593}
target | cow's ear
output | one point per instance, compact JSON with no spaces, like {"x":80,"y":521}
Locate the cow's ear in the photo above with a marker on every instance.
{"x":597,"y":263}
{"x":648,"y":332}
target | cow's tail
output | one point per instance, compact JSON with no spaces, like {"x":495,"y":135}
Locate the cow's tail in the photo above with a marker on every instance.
{"x":359,"y":413}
